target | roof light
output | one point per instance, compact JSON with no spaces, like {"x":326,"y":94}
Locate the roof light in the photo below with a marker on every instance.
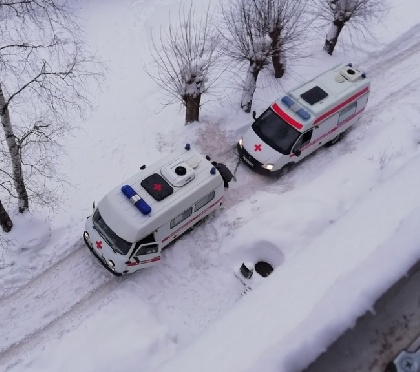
{"x":305,"y":115}
{"x":140,"y":204}
{"x":363,"y":75}
{"x":213,"y":170}
{"x":187,"y":147}
{"x":287,"y":101}
{"x":350,"y":64}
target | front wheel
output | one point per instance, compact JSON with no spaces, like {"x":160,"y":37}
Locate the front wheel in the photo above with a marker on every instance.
{"x":334,"y":140}
{"x":282,"y":171}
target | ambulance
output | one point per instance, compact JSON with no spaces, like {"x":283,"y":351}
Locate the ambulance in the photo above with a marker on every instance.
{"x":138,"y":218}
{"x":308,"y":117}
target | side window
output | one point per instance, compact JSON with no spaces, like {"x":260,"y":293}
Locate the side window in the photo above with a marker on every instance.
{"x":347,"y":112}
{"x":202,"y":202}
{"x":147,"y":249}
{"x":304,"y":139}
{"x":178,"y":219}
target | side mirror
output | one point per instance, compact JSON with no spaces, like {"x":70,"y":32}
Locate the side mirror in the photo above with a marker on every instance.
{"x":143,"y":167}
{"x":297,"y":152}
{"x":254,"y":115}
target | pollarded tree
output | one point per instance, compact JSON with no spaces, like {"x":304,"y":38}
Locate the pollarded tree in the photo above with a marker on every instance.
{"x":285,"y":23}
{"x":184,"y":56}
{"x":357,"y":13}
{"x":246,"y":41}
{"x":45,"y":76}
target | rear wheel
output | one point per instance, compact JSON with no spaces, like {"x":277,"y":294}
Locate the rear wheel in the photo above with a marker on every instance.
{"x":334,"y":140}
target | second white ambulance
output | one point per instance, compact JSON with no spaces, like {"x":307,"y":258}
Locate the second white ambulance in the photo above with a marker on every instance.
{"x":138,"y":218}
{"x":308,"y":117}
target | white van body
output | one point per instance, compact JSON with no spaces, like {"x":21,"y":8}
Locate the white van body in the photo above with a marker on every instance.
{"x":142,"y":215}
{"x":308,"y":117}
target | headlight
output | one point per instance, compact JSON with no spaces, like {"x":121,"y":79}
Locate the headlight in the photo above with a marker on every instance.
{"x":268,"y":166}
{"x":86,"y":234}
{"x":111,"y":264}
{"x":240,"y":142}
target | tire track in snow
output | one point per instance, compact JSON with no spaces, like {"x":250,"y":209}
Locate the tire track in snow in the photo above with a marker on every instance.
{"x":66,"y":320}
{"x":48,"y":297}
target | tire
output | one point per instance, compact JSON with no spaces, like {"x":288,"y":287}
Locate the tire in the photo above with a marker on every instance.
{"x":282,"y":171}
{"x":336,"y":139}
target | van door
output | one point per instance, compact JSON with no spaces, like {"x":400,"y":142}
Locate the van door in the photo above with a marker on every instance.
{"x":303,"y":147}
{"x":146,"y":253}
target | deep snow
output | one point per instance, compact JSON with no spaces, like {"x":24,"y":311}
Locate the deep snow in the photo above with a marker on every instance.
{"x":339,"y":229}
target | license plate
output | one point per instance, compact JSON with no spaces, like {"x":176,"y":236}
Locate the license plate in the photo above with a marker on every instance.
{"x":248,"y":161}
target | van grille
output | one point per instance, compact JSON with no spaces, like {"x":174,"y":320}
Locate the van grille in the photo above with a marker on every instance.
{"x":252,"y":160}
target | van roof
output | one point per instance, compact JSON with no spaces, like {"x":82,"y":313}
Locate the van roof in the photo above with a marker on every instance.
{"x":303,"y":106}
{"x":169,"y":186}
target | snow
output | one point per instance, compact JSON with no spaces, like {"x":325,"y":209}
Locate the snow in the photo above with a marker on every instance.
{"x":338,"y":230}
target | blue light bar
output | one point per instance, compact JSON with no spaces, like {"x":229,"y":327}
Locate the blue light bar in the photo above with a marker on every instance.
{"x":305,"y":115}
{"x":131,"y":194}
{"x":187,"y":147}
{"x":288,"y":101}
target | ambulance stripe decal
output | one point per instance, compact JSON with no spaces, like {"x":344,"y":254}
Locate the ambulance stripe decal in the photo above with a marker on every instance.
{"x":276,"y":108}
{"x":191,"y":220}
{"x":331,"y":131}
{"x":341,"y":105}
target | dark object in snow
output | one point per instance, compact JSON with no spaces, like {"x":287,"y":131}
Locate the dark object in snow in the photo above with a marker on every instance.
{"x":246,"y":270}
{"x":224,"y":172}
{"x":263,"y":268}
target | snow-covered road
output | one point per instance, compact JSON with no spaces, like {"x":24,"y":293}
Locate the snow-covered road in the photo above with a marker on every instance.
{"x":195,"y":285}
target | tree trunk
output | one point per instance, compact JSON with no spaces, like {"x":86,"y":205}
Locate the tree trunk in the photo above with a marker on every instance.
{"x":250,"y":85}
{"x":5,"y":221}
{"x":279,"y":68}
{"x":276,"y":56}
{"x":14,"y":150}
{"x":192,"y":107}
{"x":332,"y":36}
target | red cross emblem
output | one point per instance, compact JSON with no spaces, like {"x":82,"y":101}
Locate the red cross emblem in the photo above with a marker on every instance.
{"x":257,"y":147}
{"x":99,"y":244}
{"x":157,"y":187}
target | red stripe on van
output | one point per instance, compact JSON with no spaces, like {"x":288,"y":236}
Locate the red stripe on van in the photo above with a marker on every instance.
{"x":341,"y":105}
{"x":191,"y":220}
{"x":329,"y":132}
{"x":288,"y":119}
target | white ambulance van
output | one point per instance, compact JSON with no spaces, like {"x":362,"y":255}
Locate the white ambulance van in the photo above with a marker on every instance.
{"x":142,"y":215}
{"x":308,"y":117}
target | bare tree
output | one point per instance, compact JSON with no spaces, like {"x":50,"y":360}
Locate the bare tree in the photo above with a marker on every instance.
{"x":260,"y":31}
{"x":246,"y":41}
{"x":184,"y":55}
{"x":357,"y":13}
{"x":45,"y":76}
{"x":285,"y":22}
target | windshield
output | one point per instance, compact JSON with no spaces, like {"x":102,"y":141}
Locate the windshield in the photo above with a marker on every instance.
{"x":116,"y":243}
{"x":275,"y":132}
